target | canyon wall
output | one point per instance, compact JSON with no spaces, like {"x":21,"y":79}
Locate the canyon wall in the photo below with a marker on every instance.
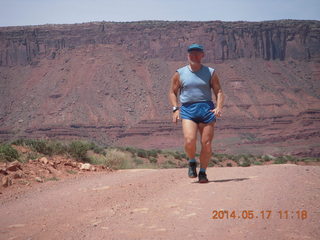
{"x":268,"y":40}
{"x":108,"y":82}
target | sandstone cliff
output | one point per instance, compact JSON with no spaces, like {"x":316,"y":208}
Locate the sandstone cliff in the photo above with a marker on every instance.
{"x":268,"y":40}
{"x":109,"y":82}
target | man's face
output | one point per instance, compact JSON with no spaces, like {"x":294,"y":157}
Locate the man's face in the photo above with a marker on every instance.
{"x":195,"y":56}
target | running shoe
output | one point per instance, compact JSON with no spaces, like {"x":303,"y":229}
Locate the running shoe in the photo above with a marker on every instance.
{"x":203,"y":177}
{"x":192,"y":172}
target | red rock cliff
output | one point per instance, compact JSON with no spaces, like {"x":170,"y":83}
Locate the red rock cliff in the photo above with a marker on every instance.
{"x":109,"y":82}
{"x":268,"y":40}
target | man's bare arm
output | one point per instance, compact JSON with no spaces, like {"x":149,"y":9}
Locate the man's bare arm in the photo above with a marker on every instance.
{"x":218,"y":94}
{"x":173,"y":94}
{"x":174,"y":88}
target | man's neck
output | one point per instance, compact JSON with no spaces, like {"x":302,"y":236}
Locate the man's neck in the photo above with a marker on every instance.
{"x":194,"y":67}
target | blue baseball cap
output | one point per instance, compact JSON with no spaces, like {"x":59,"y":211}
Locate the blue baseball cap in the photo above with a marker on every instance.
{"x":195,"y":47}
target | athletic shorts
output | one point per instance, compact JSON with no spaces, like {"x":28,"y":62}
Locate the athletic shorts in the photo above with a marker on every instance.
{"x":198,"y":112}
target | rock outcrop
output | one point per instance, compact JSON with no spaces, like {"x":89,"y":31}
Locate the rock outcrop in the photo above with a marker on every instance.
{"x":109,"y":82}
{"x":268,"y":40}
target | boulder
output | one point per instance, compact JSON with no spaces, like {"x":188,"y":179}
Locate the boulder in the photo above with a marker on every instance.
{"x":14,"y":166}
{"x":43,"y":160}
{"x":3,"y":171}
{"x":38,"y":179}
{"x":6,"y":181}
{"x":85,"y":166}
{"x":18,"y":175}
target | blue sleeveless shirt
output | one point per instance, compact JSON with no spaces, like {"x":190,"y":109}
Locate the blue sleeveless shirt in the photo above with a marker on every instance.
{"x":195,"y":86}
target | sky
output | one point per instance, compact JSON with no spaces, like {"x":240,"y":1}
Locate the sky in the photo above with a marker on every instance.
{"x":38,"y":12}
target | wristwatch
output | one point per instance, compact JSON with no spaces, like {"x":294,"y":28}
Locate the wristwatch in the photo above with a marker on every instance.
{"x":175,"y":109}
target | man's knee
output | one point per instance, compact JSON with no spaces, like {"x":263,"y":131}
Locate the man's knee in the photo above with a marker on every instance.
{"x":206,"y":146}
{"x":190,"y":142}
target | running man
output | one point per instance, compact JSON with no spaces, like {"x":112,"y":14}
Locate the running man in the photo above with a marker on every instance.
{"x":193,"y":83}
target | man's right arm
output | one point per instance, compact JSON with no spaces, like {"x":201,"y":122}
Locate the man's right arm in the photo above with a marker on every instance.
{"x":173,"y":94}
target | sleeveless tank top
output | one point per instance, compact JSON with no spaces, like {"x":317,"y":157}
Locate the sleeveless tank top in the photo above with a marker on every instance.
{"x":195,"y":86}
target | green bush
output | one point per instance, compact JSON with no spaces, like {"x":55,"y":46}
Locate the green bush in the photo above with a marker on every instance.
{"x":257,"y":163}
{"x":267,"y":158}
{"x":117,"y":159}
{"x":31,"y":156}
{"x":55,"y":147}
{"x":39,"y":146}
{"x":211,"y":164}
{"x":244,"y":162}
{"x":142,"y":153}
{"x":78,"y":150}
{"x":96,"y":148}
{"x":131,"y":150}
{"x":97,"y":159}
{"x":45,"y":147}
{"x":177,"y":155}
{"x":184,"y":155}
{"x":153,"y":153}
{"x":153,"y":160}
{"x":8,"y":153}
{"x":138,"y":161}
{"x":168,"y":164}
{"x":280,"y":160}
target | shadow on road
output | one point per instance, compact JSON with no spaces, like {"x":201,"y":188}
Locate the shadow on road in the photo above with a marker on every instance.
{"x":226,"y":180}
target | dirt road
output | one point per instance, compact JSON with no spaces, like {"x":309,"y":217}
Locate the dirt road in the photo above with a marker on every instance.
{"x":166,"y":204}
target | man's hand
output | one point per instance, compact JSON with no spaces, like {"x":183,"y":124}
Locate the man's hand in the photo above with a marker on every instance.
{"x":176,"y":116}
{"x":217,"y":112}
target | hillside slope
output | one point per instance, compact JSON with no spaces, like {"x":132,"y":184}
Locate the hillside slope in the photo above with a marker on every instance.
{"x":109,"y":82}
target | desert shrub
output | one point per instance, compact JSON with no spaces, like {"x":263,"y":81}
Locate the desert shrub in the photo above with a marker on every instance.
{"x":31,"y":156}
{"x":98,"y":149}
{"x":138,"y":161}
{"x":39,"y":146}
{"x":78,"y":150}
{"x":131,"y":150}
{"x":168,"y":164}
{"x":280,"y":160}
{"x":153,"y":160}
{"x":57,"y":147}
{"x":153,"y":153}
{"x":19,"y":142}
{"x":244,"y":162}
{"x":267,"y":157}
{"x":8,"y":153}
{"x":142,"y":153}
{"x":221,"y":156}
{"x":184,"y":155}
{"x":177,"y":155}
{"x":257,"y":163}
{"x":211,"y":164}
{"x":97,"y":159}
{"x":45,"y":147}
{"x":117,"y":159}
{"x":290,"y":158}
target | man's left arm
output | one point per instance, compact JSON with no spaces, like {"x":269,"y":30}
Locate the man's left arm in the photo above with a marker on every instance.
{"x":215,"y":83}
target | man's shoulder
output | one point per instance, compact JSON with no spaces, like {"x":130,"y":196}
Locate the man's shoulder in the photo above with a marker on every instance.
{"x":207,"y":67}
{"x":179,"y":70}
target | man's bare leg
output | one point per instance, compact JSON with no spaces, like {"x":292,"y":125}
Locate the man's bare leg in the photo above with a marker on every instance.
{"x":207,"y":133}
{"x":190,"y":128}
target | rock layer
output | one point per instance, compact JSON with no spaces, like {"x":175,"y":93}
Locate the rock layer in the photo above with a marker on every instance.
{"x":268,"y":40}
{"x":109,"y":82}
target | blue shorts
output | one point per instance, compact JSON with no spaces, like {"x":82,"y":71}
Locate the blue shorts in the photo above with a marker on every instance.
{"x":198,"y":112}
